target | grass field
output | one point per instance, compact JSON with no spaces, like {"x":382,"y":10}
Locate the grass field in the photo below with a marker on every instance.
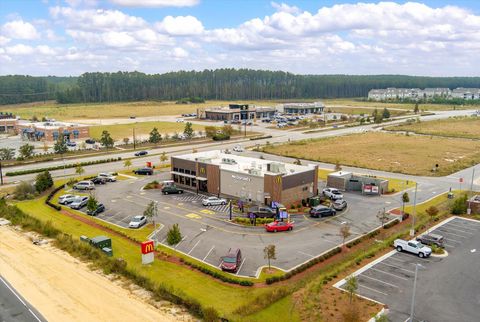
{"x":345,"y":102}
{"x":467,"y":127}
{"x":112,"y":110}
{"x":415,"y":155}
{"x":352,"y":110}
{"x":120,"y":131}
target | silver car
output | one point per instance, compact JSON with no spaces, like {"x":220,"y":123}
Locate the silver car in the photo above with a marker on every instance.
{"x":66,"y":199}
{"x":339,"y":204}
{"x":79,"y":202}
{"x":214,"y":201}
{"x":137,"y":222}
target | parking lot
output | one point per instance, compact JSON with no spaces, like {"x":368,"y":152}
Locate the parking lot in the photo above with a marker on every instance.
{"x":447,"y":287}
{"x":207,"y":235}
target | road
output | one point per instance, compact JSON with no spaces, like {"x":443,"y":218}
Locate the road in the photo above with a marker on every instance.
{"x":13,"y":308}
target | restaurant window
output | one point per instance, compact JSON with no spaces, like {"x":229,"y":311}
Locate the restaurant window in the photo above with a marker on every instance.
{"x":182,"y":180}
{"x":193,"y":173}
{"x":187,"y":171}
{"x":175,"y":169}
{"x":187,"y":181}
{"x":194,"y":182}
{"x":175,"y":178}
{"x":181,"y":170}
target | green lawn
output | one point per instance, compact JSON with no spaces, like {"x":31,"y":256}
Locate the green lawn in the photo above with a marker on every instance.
{"x":120,"y":131}
{"x":282,"y":310}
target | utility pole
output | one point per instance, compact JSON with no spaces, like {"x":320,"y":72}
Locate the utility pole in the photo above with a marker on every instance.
{"x":412,"y":308}
{"x":134,"y":141}
{"x":64,"y":173}
{"x":412,"y":231}
{"x":1,"y":174}
{"x":469,"y":210}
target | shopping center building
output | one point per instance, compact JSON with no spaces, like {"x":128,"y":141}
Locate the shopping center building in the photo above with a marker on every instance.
{"x":251,"y":179}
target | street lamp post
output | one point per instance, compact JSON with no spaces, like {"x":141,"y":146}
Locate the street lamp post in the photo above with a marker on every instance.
{"x":412,"y":231}
{"x":469,"y":210}
{"x":64,"y":172}
{"x":412,"y":307}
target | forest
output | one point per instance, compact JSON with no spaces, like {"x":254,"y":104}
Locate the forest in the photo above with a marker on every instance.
{"x":221,"y":84}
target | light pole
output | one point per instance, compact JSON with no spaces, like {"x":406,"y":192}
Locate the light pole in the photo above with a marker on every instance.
{"x":412,"y":231}
{"x":412,"y":307}
{"x":469,"y":210}
{"x":64,"y":172}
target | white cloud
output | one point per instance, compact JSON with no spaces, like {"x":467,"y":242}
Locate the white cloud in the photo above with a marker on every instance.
{"x":156,"y":3}
{"x":99,"y":19}
{"x":118,"y":39}
{"x":178,"y":52}
{"x":283,"y":7}
{"x":4,"y":40}
{"x":180,"y":26}
{"x":46,"y":50}
{"x":18,"y":29}
{"x":19,"y":49}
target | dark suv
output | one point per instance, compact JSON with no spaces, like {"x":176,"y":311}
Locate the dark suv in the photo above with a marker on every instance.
{"x":144,"y":171}
{"x":431,"y":239}
{"x":322,"y":211}
{"x":140,"y":153}
{"x":171,"y":189}
{"x":263,"y":212}
{"x":232,"y":261}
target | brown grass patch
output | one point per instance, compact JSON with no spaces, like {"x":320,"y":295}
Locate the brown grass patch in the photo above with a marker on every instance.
{"x":452,"y":127}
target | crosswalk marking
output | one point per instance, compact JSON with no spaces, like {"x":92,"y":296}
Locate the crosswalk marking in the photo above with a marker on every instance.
{"x":191,"y":198}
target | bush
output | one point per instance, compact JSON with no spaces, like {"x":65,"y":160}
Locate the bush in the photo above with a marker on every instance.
{"x":174,"y":236}
{"x":43,"y":181}
{"x":216,"y":274}
{"x":210,"y":314}
{"x":459,"y":206}
{"x":221,"y":137}
{"x":24,"y":190}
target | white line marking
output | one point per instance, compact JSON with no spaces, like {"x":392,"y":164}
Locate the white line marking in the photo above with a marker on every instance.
{"x":396,"y":259}
{"x":461,"y":226}
{"x":310,"y":255}
{"x":374,"y":279}
{"x":463,"y":231}
{"x":19,"y":298}
{"x":411,"y":257}
{"x":372,"y":289}
{"x":446,"y":232}
{"x":383,"y":272}
{"x":449,"y":246}
{"x":208,"y":253}
{"x":403,"y":269}
{"x":163,"y":240}
{"x":183,"y":239}
{"x":455,"y":241}
{"x":241,"y":265}
{"x":191,"y":250}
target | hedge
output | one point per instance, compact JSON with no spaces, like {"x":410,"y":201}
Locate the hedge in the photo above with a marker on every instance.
{"x":261,"y":137}
{"x":216,"y":274}
{"x":220,"y":137}
{"x":59,"y":167}
{"x":50,"y":196}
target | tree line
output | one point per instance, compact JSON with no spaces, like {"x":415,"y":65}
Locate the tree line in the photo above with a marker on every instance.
{"x":221,"y":84}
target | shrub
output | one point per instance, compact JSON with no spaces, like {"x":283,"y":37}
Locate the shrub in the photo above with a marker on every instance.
{"x":24,"y":190}
{"x":221,"y":137}
{"x":43,"y":181}
{"x":174,"y":236}
{"x":210,"y":314}
{"x":459,"y":206}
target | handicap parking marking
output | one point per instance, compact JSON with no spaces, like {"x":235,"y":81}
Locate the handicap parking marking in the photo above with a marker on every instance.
{"x":193,"y":216}
{"x":142,"y":193}
{"x":208,"y":212}
{"x":166,"y":208}
{"x":180,"y":204}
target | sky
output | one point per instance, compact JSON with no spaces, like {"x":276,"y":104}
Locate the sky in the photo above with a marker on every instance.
{"x":71,"y":37}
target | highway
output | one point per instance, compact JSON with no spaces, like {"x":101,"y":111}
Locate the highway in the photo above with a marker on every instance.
{"x":13,"y":308}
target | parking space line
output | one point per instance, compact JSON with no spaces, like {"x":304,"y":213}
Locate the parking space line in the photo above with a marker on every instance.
{"x":455,"y":241}
{"x":374,"y":279}
{"x":410,"y":256}
{"x":191,"y":250}
{"x":241,"y":265}
{"x":461,"y":226}
{"x":208,"y":253}
{"x":372,"y":289}
{"x":183,"y":239}
{"x":396,"y":259}
{"x":383,"y":272}
{"x":463,"y":231}
{"x":309,"y":255}
{"x":403,"y":269}
{"x":450,"y":246}
{"x":446,"y":232}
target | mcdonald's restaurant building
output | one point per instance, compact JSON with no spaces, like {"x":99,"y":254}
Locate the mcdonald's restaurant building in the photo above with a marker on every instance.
{"x":251,"y":179}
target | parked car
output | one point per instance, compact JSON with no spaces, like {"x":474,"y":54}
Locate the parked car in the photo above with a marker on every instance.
{"x":431,"y":239}
{"x":71,"y":144}
{"x":414,"y":247}
{"x":66,"y":199}
{"x":84,"y":185}
{"x":214,"y":201}
{"x":169,"y":189}
{"x":140,"y":153}
{"x":90,"y":141}
{"x":79,"y":202}
{"x":232,"y":261}
{"x":133,"y":117}
{"x":108,"y":176}
{"x":263,"y":212}
{"x":100,"y":208}
{"x":322,"y":211}
{"x":144,"y":171}
{"x":137,"y":222}
{"x":179,"y":120}
{"x":278,"y":226}
{"x":339,"y":204}
{"x":332,"y":193}
{"x":238,"y":148}
{"x":99,"y":180}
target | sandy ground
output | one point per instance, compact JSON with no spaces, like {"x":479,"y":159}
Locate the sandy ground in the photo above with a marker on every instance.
{"x":63,"y":289}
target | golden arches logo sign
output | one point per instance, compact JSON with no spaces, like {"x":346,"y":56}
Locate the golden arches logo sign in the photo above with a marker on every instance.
{"x":148,"y":247}
{"x":202,"y":170}
{"x":278,"y":179}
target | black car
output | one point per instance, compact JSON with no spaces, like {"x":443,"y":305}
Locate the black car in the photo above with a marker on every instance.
{"x":90,"y":141}
{"x":99,"y":180}
{"x":171,"y":189}
{"x":263,"y":212}
{"x":322,"y":211}
{"x":431,"y":239}
{"x":100,"y":208}
{"x":140,"y":153}
{"x":144,"y":171}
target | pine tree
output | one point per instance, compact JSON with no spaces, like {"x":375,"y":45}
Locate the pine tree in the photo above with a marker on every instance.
{"x":155,"y":136}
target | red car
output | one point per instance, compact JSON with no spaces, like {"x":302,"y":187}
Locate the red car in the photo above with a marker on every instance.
{"x":279,"y":226}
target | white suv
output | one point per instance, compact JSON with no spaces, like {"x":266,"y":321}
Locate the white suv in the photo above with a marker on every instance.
{"x":332,"y":193}
{"x":84,"y":185}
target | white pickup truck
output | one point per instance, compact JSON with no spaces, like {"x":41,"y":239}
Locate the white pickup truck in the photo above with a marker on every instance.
{"x":414,"y":247}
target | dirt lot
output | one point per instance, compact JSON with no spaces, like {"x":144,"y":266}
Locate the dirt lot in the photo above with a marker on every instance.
{"x":64,"y":289}
{"x":452,"y":127}
{"x":415,"y":155}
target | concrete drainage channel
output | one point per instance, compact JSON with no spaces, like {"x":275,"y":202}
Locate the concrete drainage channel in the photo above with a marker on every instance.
{"x":442,"y":294}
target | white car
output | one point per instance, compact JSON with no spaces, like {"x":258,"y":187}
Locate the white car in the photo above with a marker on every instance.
{"x":214,"y":201}
{"x":79,"y":202}
{"x":137,"y":222}
{"x":66,"y":199}
{"x":179,"y":120}
{"x":332,"y":193}
{"x":108,"y":176}
{"x":238,"y":148}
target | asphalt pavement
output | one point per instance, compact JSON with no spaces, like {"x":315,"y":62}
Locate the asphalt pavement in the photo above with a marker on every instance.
{"x":14,"y":308}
